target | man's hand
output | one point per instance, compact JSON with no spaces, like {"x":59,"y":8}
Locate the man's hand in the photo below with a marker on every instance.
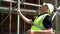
{"x":31,"y":32}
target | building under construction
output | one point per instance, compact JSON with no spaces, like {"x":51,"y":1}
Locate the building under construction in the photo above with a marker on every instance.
{"x":10,"y":21}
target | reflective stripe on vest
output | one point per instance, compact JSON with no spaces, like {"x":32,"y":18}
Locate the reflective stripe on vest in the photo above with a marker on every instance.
{"x":37,"y":25}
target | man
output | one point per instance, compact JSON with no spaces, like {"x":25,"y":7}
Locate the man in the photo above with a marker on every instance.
{"x":42,"y":23}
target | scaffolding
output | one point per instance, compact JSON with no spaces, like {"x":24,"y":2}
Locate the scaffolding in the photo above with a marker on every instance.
{"x":10,"y":9}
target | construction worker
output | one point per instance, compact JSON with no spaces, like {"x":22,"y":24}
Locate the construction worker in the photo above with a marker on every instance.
{"x":42,"y":23}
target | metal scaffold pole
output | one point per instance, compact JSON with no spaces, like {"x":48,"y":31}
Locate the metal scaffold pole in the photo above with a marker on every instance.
{"x":56,"y":5}
{"x":39,"y":7}
{"x":10,"y":17}
{"x":18,"y":20}
{"x":25,"y":15}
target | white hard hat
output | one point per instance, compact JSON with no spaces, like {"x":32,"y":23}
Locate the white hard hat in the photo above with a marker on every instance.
{"x":50,"y":6}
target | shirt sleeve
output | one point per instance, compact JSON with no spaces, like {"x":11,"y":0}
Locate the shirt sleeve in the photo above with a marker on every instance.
{"x":33,"y":19}
{"x":47,"y":22}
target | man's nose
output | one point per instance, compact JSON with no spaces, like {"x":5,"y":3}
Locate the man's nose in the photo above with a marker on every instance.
{"x":41,"y":6}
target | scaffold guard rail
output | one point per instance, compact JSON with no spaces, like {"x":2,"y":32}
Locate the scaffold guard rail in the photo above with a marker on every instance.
{"x":24,"y":10}
{"x":25,"y":3}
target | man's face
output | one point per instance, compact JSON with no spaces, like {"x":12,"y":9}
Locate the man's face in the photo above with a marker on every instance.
{"x":43,"y":8}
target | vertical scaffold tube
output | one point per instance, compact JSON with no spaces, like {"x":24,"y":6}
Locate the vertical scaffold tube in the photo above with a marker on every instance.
{"x":18,"y":20}
{"x":25,"y":15}
{"x":39,"y":7}
{"x":10,"y":17}
{"x":56,"y":5}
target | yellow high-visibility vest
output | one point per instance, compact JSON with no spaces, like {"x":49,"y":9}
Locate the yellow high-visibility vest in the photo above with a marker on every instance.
{"x":37,"y":25}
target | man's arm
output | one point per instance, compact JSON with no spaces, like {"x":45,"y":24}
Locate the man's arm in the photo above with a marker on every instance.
{"x":48,"y":31}
{"x":29,"y":21}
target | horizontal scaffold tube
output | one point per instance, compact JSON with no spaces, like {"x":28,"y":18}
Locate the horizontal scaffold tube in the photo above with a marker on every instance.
{"x":31,"y":4}
{"x":25,"y":3}
{"x":7,"y":9}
